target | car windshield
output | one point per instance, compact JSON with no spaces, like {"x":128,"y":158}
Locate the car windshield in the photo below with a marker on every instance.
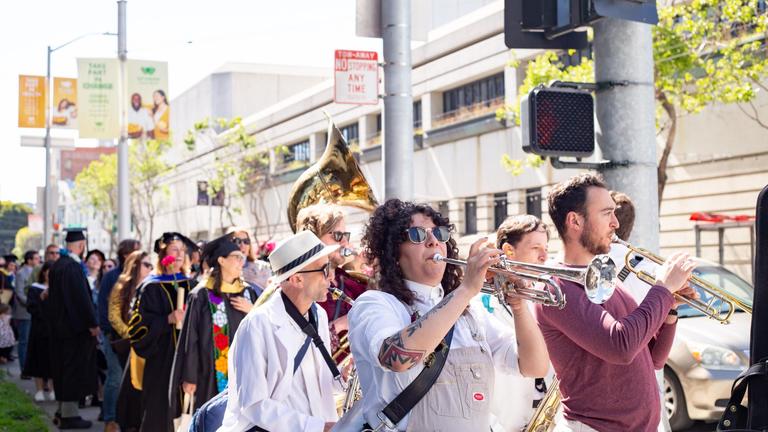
{"x":722,"y":278}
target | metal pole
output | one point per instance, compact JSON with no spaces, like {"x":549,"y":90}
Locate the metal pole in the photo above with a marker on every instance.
{"x":123,"y":187}
{"x":623,"y":51}
{"x":398,"y":101}
{"x":47,"y":210}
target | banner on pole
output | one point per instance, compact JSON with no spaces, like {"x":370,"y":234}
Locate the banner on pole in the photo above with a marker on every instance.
{"x":147,"y":97}
{"x":97,"y":86}
{"x":31,"y":101}
{"x":64,"y":103}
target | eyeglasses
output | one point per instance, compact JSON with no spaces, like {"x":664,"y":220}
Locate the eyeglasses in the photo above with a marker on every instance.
{"x":326,"y":269}
{"x":148,"y":265}
{"x":418,"y":235}
{"x":339,"y":235}
{"x":236,"y":255}
{"x":241,"y":241}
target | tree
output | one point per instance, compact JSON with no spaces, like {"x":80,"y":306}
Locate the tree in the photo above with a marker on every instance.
{"x":240,"y":171}
{"x":27,"y":240}
{"x":96,"y":188}
{"x":145,"y":159}
{"x":13,"y":216}
{"x":705,"y":52}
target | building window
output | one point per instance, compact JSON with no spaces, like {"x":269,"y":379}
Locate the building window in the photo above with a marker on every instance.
{"x":499,"y":209}
{"x":417,"y":114}
{"x":378,"y":123}
{"x":533,"y":202}
{"x":297,"y":152}
{"x":350,"y":133}
{"x":470,"y":216}
{"x":442,"y":207}
{"x":481,"y":91}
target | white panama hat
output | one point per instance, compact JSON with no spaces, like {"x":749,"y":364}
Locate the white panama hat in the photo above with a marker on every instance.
{"x":296,"y":252}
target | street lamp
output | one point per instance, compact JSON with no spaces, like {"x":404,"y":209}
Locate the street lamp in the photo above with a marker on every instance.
{"x":47,"y":216}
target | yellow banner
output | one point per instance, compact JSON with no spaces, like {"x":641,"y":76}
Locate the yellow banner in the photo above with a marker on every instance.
{"x":148,"y":111}
{"x":97,"y":87}
{"x":31,"y":101}
{"x":64,"y":103}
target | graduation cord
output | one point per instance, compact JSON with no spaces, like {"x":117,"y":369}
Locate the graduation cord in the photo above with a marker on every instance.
{"x":310,"y":330}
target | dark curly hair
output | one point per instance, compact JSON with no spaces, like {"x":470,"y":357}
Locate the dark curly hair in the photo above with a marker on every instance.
{"x":383,"y":236}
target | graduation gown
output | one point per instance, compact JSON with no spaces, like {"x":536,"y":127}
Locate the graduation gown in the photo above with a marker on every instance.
{"x":73,"y":349}
{"x":154,"y":339}
{"x":194,"y":362}
{"x":38,"y":362}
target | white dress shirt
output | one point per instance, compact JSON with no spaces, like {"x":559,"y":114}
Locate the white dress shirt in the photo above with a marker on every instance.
{"x":377,"y":315}
{"x":263,"y":390}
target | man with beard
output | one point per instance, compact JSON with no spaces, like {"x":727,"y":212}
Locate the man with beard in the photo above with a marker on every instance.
{"x":73,"y":332}
{"x":605,"y":355}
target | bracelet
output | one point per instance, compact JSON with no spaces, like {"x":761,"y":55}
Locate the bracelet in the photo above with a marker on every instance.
{"x":672,"y":312}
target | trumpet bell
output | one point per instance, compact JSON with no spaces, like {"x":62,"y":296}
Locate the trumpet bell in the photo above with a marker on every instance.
{"x":599,"y":279}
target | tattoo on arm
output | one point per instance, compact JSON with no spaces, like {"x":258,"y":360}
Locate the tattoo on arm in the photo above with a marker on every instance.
{"x":393,"y":354}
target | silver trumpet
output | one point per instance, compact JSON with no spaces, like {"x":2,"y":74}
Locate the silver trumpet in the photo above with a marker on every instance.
{"x":597,"y":279}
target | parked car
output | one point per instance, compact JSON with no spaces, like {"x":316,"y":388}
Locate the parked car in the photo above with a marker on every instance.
{"x":707,"y":356}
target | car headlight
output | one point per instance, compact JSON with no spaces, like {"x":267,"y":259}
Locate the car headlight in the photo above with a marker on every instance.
{"x":714,"y":357}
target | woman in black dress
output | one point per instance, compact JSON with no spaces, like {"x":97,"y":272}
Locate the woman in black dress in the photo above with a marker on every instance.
{"x":38,"y":362}
{"x":214,"y":311}
{"x":153,"y":326}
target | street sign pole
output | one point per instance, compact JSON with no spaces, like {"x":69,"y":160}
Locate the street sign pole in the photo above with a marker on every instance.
{"x":123,"y":188}
{"x":398,"y":100}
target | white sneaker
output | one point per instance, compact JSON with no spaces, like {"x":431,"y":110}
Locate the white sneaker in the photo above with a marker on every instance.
{"x":51,"y":396}
{"x":39,"y":396}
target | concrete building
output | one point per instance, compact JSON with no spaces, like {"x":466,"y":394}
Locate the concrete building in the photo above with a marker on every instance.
{"x":461,"y":76}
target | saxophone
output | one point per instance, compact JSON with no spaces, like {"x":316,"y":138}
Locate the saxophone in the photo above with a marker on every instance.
{"x":543,"y":419}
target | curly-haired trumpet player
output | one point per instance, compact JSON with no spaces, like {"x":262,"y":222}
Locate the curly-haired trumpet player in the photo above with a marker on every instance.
{"x":418,"y":301}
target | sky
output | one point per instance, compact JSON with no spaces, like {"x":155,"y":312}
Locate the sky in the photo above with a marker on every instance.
{"x":195,"y":37}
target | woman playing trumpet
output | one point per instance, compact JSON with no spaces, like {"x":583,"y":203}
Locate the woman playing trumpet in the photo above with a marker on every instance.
{"x":419,"y":304}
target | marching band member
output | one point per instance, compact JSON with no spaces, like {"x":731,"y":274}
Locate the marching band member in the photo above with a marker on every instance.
{"x":396,"y":329}
{"x":605,"y":355}
{"x":522,"y":238}
{"x":280,"y":378}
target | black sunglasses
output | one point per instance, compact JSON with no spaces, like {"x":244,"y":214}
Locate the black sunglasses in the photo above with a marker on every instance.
{"x":418,"y":235}
{"x":339,"y":235}
{"x":326,"y":269}
{"x":241,"y":241}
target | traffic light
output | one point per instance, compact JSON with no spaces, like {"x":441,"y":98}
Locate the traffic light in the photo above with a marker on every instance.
{"x":558,"y":122}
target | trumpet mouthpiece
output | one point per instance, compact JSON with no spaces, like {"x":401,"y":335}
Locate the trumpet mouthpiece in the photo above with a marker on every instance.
{"x":437,"y":257}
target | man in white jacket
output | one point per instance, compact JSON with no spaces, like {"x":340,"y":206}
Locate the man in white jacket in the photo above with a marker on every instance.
{"x":279,"y":379}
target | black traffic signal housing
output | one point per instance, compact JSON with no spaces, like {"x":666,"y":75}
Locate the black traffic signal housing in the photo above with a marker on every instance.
{"x":558,"y":122}
{"x":552,"y":24}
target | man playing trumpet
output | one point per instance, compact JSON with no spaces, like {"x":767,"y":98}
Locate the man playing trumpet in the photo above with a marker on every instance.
{"x":605,"y":355}
{"x":421,"y":304}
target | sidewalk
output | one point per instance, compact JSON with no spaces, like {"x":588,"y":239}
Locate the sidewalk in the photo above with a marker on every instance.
{"x":28,"y":387}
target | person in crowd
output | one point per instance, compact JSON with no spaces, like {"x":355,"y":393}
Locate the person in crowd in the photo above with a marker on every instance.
{"x":73,"y":332}
{"x":21,"y":316}
{"x":279,"y":377}
{"x":52,"y":252}
{"x":114,"y":346}
{"x":7,"y":340}
{"x":153,"y":325}
{"x":109,"y":265}
{"x":615,"y":345}
{"x":94,"y":261}
{"x":137,"y":266}
{"x":214,"y":311}
{"x":420,"y":312}
{"x":255,"y":272}
{"x":38,"y":364}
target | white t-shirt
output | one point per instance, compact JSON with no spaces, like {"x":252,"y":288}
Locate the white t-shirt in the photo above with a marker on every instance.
{"x":377,"y":315}
{"x":142,"y":118}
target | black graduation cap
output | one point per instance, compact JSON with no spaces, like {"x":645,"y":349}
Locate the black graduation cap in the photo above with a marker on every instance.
{"x":220,"y":247}
{"x":75,"y":234}
{"x":168,"y":237}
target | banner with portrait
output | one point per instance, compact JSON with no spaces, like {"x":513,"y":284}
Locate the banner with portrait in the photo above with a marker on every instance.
{"x":148,"y":111}
{"x":97,"y":86}
{"x":64,"y":103}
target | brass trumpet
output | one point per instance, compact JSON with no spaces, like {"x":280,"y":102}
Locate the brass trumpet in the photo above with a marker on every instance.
{"x":719,"y":307}
{"x":597,"y":280}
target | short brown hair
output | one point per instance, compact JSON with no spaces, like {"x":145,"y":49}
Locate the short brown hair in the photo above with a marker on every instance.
{"x":514,"y":228}
{"x":625,"y":213}
{"x":571,"y":196}
{"x":319,"y":218}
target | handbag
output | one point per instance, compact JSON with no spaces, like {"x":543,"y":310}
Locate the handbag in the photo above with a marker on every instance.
{"x":181,"y":424}
{"x":735,"y":417}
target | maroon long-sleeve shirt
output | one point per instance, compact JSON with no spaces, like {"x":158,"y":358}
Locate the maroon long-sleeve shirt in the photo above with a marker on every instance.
{"x":605,"y":356}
